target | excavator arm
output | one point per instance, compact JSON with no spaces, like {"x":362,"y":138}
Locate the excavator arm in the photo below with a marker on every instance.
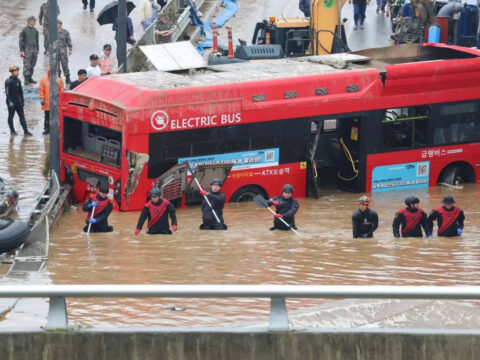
{"x":324,"y":18}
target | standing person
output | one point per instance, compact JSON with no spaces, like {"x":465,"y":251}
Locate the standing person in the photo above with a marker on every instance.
{"x":44,"y":19}
{"x":359,"y":8}
{"x":157,"y":211}
{"x":85,"y":5}
{"x":15,"y":101}
{"x":44,"y":93}
{"x":81,"y":77}
{"x":163,"y":29}
{"x":364,"y":220}
{"x":286,"y":208}
{"x":217,"y":200}
{"x":304,"y":6}
{"x":93,"y":69}
{"x":381,"y":6}
{"x":106,"y":61}
{"x":449,"y":217}
{"x":411,"y":219}
{"x":148,"y":12}
{"x":130,"y":38}
{"x":64,"y":50}
{"x":29,"y":49}
{"x":103,"y":207}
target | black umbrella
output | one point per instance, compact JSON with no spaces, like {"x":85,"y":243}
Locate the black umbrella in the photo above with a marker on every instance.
{"x":110,"y":12}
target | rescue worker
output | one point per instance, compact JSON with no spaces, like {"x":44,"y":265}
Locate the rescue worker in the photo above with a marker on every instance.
{"x":286,"y":208}
{"x":44,"y":92}
{"x":450,"y":218}
{"x":411,"y":219}
{"x":217,"y":200}
{"x":103,"y":207}
{"x":64,"y":50}
{"x":44,"y":19}
{"x":28,"y":43}
{"x":157,"y":211}
{"x":15,"y":101}
{"x":364,"y":220}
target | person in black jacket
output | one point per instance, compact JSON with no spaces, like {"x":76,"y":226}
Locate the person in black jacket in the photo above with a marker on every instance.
{"x":286,"y":208}
{"x":15,"y":101}
{"x":450,"y":218}
{"x":411,"y":219}
{"x":364,"y":220}
{"x":217,"y":200}
{"x":101,"y":206}
{"x":157,"y":211}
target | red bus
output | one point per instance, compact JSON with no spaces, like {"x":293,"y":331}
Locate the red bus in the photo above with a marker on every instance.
{"x":376,"y":120}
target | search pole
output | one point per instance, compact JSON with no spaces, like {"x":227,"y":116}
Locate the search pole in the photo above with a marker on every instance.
{"x":54,"y":102}
{"x":122,"y":35}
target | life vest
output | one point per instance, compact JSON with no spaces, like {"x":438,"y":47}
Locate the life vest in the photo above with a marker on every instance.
{"x":156,"y":211}
{"x":102,"y":204}
{"x":448,"y":217}
{"x":412,"y":219}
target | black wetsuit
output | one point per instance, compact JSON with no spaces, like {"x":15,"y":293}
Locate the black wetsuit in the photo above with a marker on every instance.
{"x":364,"y":223}
{"x":454,"y":218}
{"x":412,"y":221}
{"x":101,"y":217}
{"x":15,"y":102}
{"x":209,"y":221}
{"x":288,"y":209}
{"x":160,"y":226}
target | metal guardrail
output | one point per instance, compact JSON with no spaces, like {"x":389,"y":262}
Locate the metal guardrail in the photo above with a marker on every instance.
{"x":58,"y":316}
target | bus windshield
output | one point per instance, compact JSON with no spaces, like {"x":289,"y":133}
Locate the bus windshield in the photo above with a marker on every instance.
{"x":93,"y":142}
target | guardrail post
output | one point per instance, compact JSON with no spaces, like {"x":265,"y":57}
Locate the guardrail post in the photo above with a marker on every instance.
{"x":57,"y":313}
{"x":278,"y":314}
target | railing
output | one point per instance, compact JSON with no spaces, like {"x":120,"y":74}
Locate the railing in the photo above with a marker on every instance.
{"x":58,"y":317}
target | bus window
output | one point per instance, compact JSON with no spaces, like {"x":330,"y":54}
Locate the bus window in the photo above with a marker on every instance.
{"x":92,"y":142}
{"x":457,"y":123}
{"x":404,"y":128}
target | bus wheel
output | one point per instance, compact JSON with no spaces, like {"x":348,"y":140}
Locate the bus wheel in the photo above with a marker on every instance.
{"x":247,"y":193}
{"x":457,"y":174}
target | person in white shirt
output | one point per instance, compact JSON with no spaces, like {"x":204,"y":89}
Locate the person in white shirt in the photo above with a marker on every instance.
{"x":94,"y":68}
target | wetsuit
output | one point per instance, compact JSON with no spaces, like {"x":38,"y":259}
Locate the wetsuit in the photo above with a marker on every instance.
{"x":15,"y":102}
{"x":102,"y":212}
{"x":288,"y":209}
{"x":411,"y":220}
{"x":209,"y":222}
{"x":448,"y":220}
{"x":157,"y":215}
{"x":364,"y":223}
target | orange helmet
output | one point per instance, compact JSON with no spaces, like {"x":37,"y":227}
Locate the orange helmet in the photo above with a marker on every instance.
{"x":12,"y":68}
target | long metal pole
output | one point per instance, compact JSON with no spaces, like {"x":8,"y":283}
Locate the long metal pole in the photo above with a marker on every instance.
{"x":54,"y":100}
{"x":122,"y":35}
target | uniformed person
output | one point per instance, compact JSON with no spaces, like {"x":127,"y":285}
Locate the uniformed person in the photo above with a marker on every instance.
{"x":15,"y":100}
{"x":157,"y":211}
{"x":449,"y":217}
{"x":44,"y":19}
{"x":364,"y":220}
{"x":28,"y":43}
{"x":286,"y":208}
{"x":103,"y":207}
{"x":64,"y":50}
{"x":411,"y":219}
{"x":217,"y":200}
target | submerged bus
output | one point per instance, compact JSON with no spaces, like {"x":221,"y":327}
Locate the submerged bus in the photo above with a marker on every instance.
{"x":378,"y":120}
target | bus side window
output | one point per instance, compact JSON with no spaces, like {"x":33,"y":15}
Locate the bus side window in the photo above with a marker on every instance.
{"x":457,"y":123}
{"x":404,"y":128}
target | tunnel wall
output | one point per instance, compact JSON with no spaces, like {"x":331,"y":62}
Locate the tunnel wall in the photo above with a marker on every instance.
{"x":241,"y":345}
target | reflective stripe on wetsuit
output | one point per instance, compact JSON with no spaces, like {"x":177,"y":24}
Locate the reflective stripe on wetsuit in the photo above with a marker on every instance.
{"x":412,"y":219}
{"x":156,"y":211}
{"x":448,"y":217}
{"x":102,"y":204}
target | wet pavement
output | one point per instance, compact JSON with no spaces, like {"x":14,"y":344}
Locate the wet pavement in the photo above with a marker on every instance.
{"x":248,"y":253}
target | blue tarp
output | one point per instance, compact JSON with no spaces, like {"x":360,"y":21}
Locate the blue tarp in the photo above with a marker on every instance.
{"x":231,"y":8}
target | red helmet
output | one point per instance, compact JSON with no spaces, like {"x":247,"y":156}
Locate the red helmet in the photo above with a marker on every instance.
{"x":12,"y":68}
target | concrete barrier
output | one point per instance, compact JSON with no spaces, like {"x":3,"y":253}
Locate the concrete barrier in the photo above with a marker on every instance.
{"x":216,"y":344}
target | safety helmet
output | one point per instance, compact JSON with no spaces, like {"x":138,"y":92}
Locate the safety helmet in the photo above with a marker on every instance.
{"x":448,"y":200}
{"x":287,"y":188}
{"x":363,"y":200}
{"x":12,"y":68}
{"x":216,"y":181}
{"x":103,"y":188}
{"x":156,"y":192}
{"x":411,"y":200}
